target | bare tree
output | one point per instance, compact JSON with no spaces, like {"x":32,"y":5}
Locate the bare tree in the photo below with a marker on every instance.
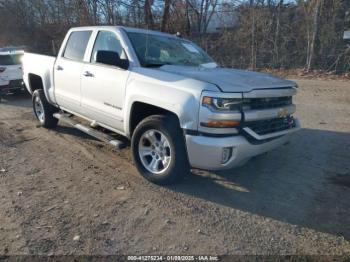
{"x":203,"y":11}
{"x":253,"y":37}
{"x":312,"y":34}
{"x":166,"y":14}
{"x":277,"y":32}
{"x":269,"y":33}
{"x":148,"y":13}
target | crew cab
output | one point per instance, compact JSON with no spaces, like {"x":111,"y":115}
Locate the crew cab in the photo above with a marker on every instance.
{"x":11,"y":70}
{"x":178,"y":107}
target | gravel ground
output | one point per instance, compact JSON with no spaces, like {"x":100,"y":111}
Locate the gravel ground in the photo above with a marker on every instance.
{"x":62,"y":192}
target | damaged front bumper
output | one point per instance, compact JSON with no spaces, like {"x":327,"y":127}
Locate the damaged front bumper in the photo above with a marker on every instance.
{"x":219,"y":153}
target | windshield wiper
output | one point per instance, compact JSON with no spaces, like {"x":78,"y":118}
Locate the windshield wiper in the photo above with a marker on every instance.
{"x":155,"y":64}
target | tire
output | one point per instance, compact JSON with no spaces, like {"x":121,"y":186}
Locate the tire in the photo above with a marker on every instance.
{"x":165,"y":131}
{"x":43,"y":110}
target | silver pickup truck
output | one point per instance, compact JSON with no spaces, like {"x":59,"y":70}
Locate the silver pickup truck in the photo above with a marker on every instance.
{"x":178,"y":107}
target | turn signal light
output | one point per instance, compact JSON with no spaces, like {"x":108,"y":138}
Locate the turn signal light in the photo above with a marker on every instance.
{"x":221,"y":124}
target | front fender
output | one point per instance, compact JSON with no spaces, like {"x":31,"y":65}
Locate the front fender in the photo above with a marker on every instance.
{"x":185,"y":104}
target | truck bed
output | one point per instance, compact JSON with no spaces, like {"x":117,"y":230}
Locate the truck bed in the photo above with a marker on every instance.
{"x":41,"y":66}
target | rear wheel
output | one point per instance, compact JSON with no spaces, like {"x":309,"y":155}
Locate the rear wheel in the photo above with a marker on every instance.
{"x":43,"y":110}
{"x":159,"y":150}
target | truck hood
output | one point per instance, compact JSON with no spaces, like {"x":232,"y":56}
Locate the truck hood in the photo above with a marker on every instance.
{"x":230,"y":80}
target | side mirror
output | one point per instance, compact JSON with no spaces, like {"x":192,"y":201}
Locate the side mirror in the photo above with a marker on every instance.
{"x":111,"y":58}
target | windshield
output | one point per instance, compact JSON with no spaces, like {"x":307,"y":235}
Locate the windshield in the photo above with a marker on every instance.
{"x":11,"y":59}
{"x":158,"y":50}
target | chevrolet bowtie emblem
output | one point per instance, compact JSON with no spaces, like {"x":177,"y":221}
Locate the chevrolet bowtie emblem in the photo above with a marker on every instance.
{"x":282,"y":112}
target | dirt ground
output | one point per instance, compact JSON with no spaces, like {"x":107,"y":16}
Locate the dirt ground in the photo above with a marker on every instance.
{"x":62,"y":192}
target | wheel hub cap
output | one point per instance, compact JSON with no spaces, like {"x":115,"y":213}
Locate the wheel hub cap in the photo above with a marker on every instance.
{"x":154,"y":151}
{"x":39,"y":109}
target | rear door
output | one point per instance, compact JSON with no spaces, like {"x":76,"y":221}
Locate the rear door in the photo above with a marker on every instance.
{"x":68,"y":69}
{"x":103,"y":86}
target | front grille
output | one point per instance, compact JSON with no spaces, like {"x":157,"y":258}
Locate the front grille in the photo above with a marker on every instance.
{"x":263,"y":127}
{"x":16,"y":83}
{"x":266,"y":103}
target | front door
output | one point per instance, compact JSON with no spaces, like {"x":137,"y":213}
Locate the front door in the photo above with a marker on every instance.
{"x":103,"y":86}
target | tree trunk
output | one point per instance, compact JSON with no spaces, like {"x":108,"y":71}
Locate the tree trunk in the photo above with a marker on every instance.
{"x":188,"y":22}
{"x":314,"y":35}
{"x":253,"y":49}
{"x":209,"y":14}
{"x":277,"y":33}
{"x":148,"y":14}
{"x":94,"y":10}
{"x":166,"y":14}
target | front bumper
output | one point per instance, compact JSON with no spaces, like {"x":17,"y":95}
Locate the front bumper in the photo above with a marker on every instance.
{"x":206,"y":152}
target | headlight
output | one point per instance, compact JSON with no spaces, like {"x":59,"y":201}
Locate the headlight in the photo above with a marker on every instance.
{"x":222,"y":104}
{"x":220,"y":112}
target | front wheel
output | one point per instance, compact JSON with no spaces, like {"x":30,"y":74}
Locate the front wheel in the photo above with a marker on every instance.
{"x":43,"y":110}
{"x":159,"y":150}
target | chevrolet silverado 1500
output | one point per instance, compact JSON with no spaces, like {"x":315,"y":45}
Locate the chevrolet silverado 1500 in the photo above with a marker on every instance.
{"x":178,"y":107}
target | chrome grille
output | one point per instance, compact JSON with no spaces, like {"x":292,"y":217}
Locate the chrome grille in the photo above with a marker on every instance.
{"x":263,"y":127}
{"x":268,"y":102}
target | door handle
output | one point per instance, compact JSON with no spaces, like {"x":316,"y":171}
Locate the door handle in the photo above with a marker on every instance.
{"x":88,"y":74}
{"x":59,"y":68}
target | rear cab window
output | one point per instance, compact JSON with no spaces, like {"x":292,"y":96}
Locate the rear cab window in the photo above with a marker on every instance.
{"x":76,"y":45}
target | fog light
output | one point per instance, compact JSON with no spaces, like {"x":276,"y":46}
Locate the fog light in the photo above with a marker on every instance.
{"x":226,"y":154}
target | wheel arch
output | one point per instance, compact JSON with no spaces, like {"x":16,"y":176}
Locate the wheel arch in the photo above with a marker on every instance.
{"x":141,"y":110}
{"x":40,"y":82}
{"x":35,"y":82}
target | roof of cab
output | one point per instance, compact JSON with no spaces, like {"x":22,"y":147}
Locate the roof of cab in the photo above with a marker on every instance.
{"x":126,"y":29}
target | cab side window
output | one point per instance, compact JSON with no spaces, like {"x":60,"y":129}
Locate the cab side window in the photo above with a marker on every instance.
{"x":107,"y":41}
